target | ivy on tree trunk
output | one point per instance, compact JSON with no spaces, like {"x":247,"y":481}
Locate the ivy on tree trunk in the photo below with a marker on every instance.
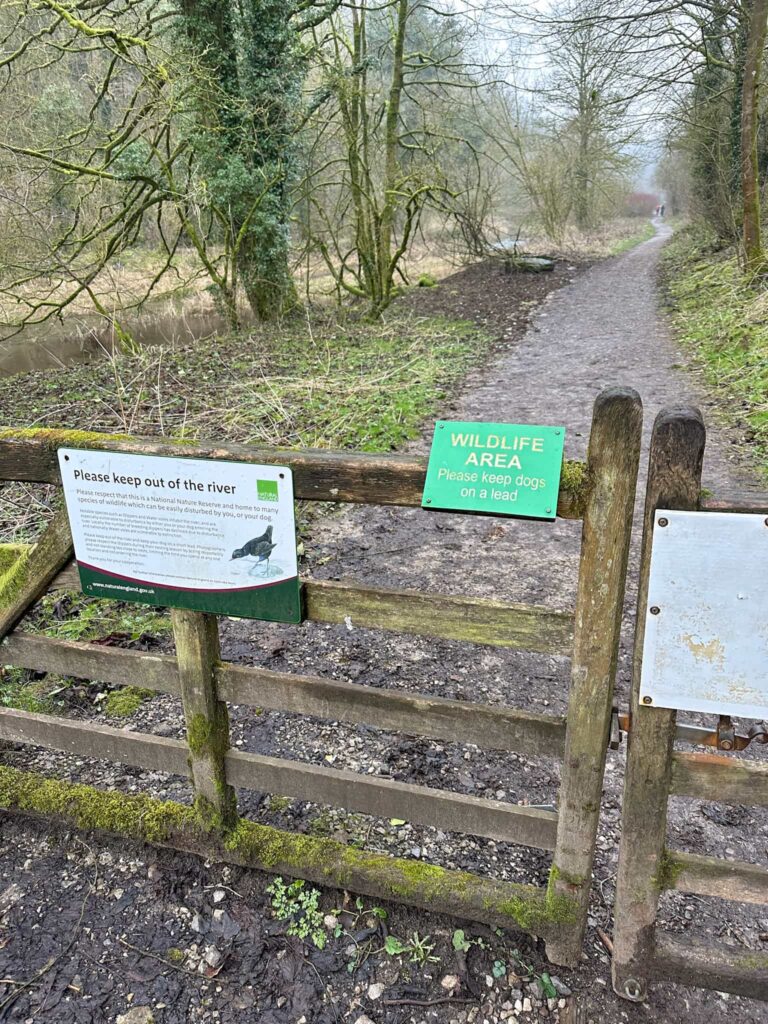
{"x":244,"y":139}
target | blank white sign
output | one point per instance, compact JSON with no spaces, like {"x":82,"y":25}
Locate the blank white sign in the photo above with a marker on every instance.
{"x":706,"y":626}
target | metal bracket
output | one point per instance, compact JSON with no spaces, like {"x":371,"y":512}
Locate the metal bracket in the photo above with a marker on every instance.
{"x":698,"y":735}
{"x":616,"y":735}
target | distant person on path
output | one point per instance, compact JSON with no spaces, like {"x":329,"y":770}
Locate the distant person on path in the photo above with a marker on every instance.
{"x":662,"y":208}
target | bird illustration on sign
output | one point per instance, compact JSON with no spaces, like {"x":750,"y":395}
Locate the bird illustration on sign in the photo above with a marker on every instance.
{"x":259,"y":548}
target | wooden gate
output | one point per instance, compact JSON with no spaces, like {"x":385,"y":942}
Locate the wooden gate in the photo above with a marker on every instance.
{"x":656,"y":771}
{"x":601,"y":492}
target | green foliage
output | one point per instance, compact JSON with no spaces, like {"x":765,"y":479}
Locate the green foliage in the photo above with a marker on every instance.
{"x":299,"y":905}
{"x":17,"y":692}
{"x":243,"y":137}
{"x":723,"y":319}
{"x":426,"y":281}
{"x":78,"y":617}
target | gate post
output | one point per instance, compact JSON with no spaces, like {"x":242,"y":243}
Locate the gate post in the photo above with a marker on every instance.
{"x":613,"y":459}
{"x":198,"y":653}
{"x":674,"y":482}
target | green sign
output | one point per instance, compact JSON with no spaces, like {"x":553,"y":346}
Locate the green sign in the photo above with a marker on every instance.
{"x":203,"y":534}
{"x":507,"y":469}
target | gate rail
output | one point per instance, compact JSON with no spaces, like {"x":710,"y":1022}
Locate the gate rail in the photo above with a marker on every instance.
{"x":601,"y":492}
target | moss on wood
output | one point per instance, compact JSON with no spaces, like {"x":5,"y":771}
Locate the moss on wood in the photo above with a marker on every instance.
{"x":573,"y":484}
{"x":14,"y":577}
{"x":323,"y":861}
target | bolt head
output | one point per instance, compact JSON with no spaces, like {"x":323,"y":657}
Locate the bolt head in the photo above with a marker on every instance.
{"x":663,"y":521}
{"x":726,"y":745}
{"x":647,"y":700}
{"x":655,"y":610}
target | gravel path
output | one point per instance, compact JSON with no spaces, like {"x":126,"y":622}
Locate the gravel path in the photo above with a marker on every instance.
{"x":603,"y":328}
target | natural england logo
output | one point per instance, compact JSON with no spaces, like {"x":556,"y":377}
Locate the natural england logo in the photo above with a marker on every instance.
{"x":266,"y":490}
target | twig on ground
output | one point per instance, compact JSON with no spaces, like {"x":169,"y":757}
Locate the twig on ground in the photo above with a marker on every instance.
{"x":426,"y":1002}
{"x":156,"y":956}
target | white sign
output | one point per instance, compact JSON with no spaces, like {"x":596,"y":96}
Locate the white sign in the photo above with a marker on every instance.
{"x":706,"y":626}
{"x":187,"y":533}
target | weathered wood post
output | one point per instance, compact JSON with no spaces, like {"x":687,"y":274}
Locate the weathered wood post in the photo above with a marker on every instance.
{"x":27,"y":579}
{"x":612,"y":464}
{"x":198,"y":653}
{"x":674,"y":482}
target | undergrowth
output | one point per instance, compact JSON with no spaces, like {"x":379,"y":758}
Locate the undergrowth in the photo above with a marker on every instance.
{"x":723,"y":317}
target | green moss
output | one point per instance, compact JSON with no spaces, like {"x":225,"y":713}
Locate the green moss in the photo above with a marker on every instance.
{"x":669,"y":871}
{"x":61,"y":438}
{"x":124,"y":702}
{"x":573,"y":482}
{"x":175,"y":955}
{"x":56,"y":438}
{"x":279,"y":803}
{"x":14,"y":578}
{"x":199,"y":734}
{"x":261,"y":846}
{"x":139,"y":817}
{"x":754,"y":961}
{"x":10,"y":554}
{"x":426,"y":281}
{"x":208,"y":739}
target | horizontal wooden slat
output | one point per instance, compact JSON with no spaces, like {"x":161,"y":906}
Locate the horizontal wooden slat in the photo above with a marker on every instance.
{"x":710,"y":876}
{"x":88,"y":740}
{"x":381,"y":797}
{"x":710,"y":965}
{"x":421,"y":715}
{"x":471,"y":619}
{"x":91,"y":661}
{"x":744,"y":503}
{"x":317,"y":475}
{"x":385,"y":798}
{"x":726,"y":780}
{"x":319,"y":860}
{"x":477,"y":620}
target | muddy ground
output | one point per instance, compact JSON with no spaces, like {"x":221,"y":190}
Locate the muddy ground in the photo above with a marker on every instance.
{"x":102,"y":907}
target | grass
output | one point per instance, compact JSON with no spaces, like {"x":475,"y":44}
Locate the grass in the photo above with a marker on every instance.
{"x":318,"y":381}
{"x":723,"y":318}
{"x":632,"y":241}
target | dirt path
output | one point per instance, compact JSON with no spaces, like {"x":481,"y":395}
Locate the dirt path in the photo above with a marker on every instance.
{"x":601,"y":329}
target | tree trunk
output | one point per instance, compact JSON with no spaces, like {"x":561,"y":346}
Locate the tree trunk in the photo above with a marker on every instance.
{"x":392,"y":160}
{"x":750,"y":116}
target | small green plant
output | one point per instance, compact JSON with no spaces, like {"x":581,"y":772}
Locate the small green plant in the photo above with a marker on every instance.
{"x":462,"y":943}
{"x":418,"y":949}
{"x":499,"y":969}
{"x":299,"y":905}
{"x":550,"y":992}
{"x":426,"y":281}
{"x":369,"y":916}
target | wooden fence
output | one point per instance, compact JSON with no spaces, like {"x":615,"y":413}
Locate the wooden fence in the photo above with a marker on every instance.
{"x":601,"y":492}
{"x":656,"y":771}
